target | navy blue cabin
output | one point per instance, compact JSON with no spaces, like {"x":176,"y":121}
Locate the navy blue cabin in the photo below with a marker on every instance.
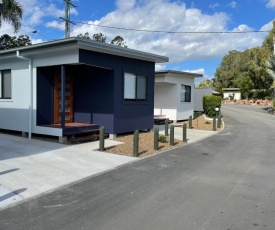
{"x":108,"y":86}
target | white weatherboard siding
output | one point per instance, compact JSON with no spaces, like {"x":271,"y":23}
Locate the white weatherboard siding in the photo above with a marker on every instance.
{"x":184,"y":109}
{"x":168,"y":94}
{"x":14,"y":113}
{"x":199,"y":93}
{"x":165,"y":103}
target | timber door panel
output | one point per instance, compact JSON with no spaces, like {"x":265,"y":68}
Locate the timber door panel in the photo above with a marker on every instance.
{"x":68,"y":99}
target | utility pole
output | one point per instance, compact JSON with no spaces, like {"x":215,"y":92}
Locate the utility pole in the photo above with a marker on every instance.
{"x":1,"y":6}
{"x":67,"y":17}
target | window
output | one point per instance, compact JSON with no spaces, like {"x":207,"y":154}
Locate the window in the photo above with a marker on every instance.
{"x":135,"y":87}
{"x":185,"y":94}
{"x":5,"y":84}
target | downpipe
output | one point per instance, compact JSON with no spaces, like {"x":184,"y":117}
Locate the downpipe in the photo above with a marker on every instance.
{"x":31,"y":90}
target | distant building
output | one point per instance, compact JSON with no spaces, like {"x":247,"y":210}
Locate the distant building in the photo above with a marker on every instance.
{"x":234,"y":93}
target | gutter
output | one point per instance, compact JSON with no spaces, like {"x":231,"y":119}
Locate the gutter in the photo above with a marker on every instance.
{"x":31,"y":90}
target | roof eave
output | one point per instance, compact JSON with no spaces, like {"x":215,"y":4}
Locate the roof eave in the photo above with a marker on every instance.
{"x":87,"y":44}
{"x":180,"y":73}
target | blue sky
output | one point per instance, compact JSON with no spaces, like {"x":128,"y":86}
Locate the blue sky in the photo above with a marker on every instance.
{"x":200,"y":52}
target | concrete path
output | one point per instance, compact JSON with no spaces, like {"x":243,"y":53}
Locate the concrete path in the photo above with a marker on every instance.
{"x":32,"y":167}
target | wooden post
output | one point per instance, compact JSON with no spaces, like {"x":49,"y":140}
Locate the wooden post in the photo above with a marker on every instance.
{"x":190,"y":122}
{"x":135,"y":144}
{"x":184,"y":134}
{"x":172,"y":141}
{"x":156,"y":138}
{"x":166,"y":127}
{"x":101,"y":138}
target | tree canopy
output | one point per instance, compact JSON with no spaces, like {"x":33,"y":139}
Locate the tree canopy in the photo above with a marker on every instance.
{"x":247,"y":70}
{"x":100,"y":37}
{"x":208,"y":83}
{"x":12,"y":13}
{"x":8,"y":42}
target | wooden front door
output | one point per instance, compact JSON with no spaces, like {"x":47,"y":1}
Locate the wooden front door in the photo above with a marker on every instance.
{"x":68,"y":99}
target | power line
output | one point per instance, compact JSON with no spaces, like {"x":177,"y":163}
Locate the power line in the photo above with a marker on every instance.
{"x":175,"y":32}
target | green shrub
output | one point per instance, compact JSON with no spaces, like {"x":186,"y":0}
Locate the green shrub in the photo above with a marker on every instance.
{"x":162,"y":139}
{"x":209,"y":103}
{"x":274,"y":103}
{"x":197,"y":114}
{"x":207,"y":122}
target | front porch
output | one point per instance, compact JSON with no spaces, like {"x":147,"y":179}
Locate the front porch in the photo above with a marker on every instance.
{"x":77,"y":103}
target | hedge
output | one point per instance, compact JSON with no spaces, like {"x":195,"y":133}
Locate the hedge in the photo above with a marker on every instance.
{"x":209,"y":103}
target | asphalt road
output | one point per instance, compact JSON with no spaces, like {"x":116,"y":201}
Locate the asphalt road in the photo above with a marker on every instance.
{"x":224,"y":182}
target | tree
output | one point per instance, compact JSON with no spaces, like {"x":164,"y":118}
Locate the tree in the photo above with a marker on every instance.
{"x":245,"y":70}
{"x":119,"y":41}
{"x":99,"y":37}
{"x":228,"y":71}
{"x":246,"y":85}
{"x":8,"y":42}
{"x":86,"y":35}
{"x":205,"y":84}
{"x":12,"y":13}
{"x":271,"y":66}
{"x":269,"y":40}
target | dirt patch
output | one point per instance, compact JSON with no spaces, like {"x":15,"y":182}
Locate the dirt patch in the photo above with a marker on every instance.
{"x":146,"y":140}
{"x":146,"y":145}
{"x":201,"y":123}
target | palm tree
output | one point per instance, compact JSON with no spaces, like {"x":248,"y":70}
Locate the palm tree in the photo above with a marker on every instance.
{"x":11,"y":12}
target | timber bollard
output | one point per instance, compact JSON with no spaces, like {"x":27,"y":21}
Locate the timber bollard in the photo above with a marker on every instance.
{"x":219,"y":120}
{"x":190,"y":122}
{"x":214,"y":123}
{"x":184,"y":136}
{"x":172,"y":140}
{"x":156,"y":138}
{"x":136,"y":140}
{"x":166,"y":127}
{"x":101,"y":138}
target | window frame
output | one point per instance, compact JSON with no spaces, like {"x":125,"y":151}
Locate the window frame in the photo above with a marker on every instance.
{"x":2,"y":84}
{"x":187,"y":96}
{"x":137,"y":82}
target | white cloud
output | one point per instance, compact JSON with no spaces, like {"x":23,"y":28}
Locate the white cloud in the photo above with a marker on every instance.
{"x":159,"y":67}
{"x":199,"y":71}
{"x":36,"y":41}
{"x":37,"y":12}
{"x":214,"y":6}
{"x":270,"y":4}
{"x":125,"y":5}
{"x":56,"y":25}
{"x":232,"y":4}
{"x":177,"y":46}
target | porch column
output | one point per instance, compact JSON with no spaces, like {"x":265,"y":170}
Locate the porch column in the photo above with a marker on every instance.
{"x":63,"y":81}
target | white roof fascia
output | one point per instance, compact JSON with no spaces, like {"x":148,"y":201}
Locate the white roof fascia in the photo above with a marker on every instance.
{"x":178,"y":73}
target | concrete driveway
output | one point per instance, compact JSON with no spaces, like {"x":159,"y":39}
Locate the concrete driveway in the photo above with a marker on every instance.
{"x":31,"y":167}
